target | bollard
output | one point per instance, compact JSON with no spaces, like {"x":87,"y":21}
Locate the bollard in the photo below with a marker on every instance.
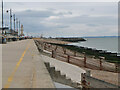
{"x":68,"y":59}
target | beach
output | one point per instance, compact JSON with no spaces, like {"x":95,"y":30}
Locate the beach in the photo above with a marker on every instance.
{"x":104,"y":74}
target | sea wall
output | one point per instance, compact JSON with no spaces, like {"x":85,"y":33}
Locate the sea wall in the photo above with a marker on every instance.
{"x":58,"y":77}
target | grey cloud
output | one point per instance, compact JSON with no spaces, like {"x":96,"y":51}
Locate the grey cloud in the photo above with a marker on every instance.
{"x":32,"y":18}
{"x":33,"y":13}
{"x":86,"y":19}
{"x":92,"y":25}
{"x":40,"y":14}
{"x":65,"y":13}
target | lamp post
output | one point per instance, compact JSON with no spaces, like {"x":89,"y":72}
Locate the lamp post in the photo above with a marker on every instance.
{"x":14,"y":22}
{"x":19,"y":28}
{"x":10,"y":19}
{"x":2,"y":17}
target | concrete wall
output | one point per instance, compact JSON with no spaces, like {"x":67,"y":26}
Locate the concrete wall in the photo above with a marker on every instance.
{"x":57,"y":77}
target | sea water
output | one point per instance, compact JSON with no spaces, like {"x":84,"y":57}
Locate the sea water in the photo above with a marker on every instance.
{"x":109,"y":44}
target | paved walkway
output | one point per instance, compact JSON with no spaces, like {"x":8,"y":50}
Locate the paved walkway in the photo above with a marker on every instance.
{"x":22,"y":66}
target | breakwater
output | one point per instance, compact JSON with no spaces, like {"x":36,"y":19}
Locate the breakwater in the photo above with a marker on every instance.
{"x":71,"y":39}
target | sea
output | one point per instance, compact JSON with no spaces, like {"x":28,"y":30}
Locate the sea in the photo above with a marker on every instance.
{"x":109,"y":44}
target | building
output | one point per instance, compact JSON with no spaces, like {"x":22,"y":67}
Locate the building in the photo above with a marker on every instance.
{"x":7,"y":32}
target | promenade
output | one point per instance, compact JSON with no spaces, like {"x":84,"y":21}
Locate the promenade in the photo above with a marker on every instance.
{"x":22,"y":66}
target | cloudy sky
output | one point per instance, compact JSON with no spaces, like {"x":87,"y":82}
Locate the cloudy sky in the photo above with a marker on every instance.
{"x":65,"y":18}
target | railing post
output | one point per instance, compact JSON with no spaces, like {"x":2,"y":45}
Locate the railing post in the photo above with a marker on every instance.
{"x":53,"y":54}
{"x":75,"y":53}
{"x":68,"y":59}
{"x":64,"y":50}
{"x":42,"y":45}
{"x":45,"y":46}
{"x":56,"y":48}
{"x":116,"y":67}
{"x":101,"y":67}
{"x":84,"y":59}
{"x":50,"y":45}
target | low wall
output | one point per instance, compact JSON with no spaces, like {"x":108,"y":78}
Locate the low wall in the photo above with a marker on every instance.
{"x":58,"y":77}
{"x":89,"y":81}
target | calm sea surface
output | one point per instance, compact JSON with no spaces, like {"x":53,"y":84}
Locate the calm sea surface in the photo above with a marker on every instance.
{"x":108,"y":43}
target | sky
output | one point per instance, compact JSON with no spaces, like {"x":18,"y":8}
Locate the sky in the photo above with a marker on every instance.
{"x":68,"y":19}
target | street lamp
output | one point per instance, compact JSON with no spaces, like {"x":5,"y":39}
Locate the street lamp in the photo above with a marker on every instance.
{"x":14,"y":22}
{"x":10,"y":19}
{"x":2,"y":17}
{"x":19,"y":27}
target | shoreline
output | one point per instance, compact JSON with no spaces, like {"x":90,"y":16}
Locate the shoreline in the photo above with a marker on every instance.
{"x":95,"y":72}
{"x":74,"y":44}
{"x":109,"y":56}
